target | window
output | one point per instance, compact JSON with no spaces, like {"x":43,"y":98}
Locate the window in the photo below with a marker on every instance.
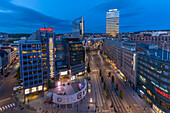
{"x":44,"y":54}
{"x":44,"y":45}
{"x":33,"y":45}
{"x":23,"y":52}
{"x":44,"y":59}
{"x":23,"y":46}
{"x":30,"y":72}
{"x":30,"y":62}
{"x":29,"y":51}
{"x":34,"y":51}
{"x":29,"y":56}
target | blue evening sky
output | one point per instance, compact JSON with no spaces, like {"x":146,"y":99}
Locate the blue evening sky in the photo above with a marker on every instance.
{"x":20,"y":16}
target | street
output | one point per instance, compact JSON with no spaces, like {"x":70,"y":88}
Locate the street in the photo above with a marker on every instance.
{"x":131,"y":102}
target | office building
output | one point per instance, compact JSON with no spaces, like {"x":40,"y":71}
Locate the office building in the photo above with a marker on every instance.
{"x":112,"y":23}
{"x":153,"y":77}
{"x":3,"y":61}
{"x":11,"y":54}
{"x":61,"y":52}
{"x":78,"y":27}
{"x":46,"y":35}
{"x":76,"y":56}
{"x":123,"y":53}
{"x":31,"y":68}
{"x":161,"y":41}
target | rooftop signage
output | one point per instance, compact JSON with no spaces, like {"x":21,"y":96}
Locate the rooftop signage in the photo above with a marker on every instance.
{"x":46,"y":29}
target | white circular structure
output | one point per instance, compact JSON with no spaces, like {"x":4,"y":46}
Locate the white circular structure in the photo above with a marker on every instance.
{"x":70,"y":99}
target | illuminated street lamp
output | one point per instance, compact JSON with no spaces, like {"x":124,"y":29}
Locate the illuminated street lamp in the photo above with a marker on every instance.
{"x":91,"y":100}
{"x":58,"y":83}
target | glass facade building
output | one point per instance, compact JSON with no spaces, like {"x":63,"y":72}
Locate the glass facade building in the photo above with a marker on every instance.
{"x":153,"y":79}
{"x":112,"y":23}
{"x":78,"y":27}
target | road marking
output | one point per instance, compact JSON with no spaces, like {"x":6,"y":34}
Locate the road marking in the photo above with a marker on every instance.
{"x":7,"y":106}
{"x":5,"y":99}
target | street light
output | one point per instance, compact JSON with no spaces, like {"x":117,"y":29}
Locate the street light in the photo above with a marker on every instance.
{"x":58,"y":83}
{"x":91,"y":100}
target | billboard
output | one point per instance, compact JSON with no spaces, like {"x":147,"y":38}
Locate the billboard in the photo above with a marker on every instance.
{"x":112,"y":14}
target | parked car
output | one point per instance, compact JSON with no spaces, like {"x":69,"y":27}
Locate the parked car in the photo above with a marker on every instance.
{"x":6,"y":75}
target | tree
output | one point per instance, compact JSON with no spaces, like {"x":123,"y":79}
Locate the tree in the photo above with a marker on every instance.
{"x":100,"y":73}
{"x":88,"y":68}
{"x":109,"y":73}
{"x":102,"y":79}
{"x":121,"y":94}
{"x":104,"y":86}
{"x":107,"y":93}
{"x":18,"y":73}
{"x":113,"y":79}
{"x":117,"y":87}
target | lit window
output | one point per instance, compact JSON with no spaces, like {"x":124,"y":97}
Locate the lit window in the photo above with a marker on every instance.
{"x":34,"y":51}
{"x":23,"y":52}
{"x":34,"y":56}
{"x":33,"y":45}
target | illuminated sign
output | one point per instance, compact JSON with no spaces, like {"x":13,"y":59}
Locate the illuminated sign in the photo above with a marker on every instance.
{"x":49,"y":29}
{"x":27,"y":91}
{"x":39,"y":88}
{"x":44,"y":29}
{"x":33,"y":89}
{"x":134,"y":61}
{"x":63,"y":73}
{"x":162,"y":93}
{"x":113,"y":10}
{"x":159,"y":87}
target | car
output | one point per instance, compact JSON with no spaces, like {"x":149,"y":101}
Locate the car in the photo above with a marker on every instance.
{"x":6,"y":75}
{"x":15,"y":93}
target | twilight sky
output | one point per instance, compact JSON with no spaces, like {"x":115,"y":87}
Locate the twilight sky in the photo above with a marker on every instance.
{"x":25,"y":16}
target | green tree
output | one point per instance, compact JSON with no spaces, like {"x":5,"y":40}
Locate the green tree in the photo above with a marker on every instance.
{"x":87,"y":48}
{"x":88,"y":68}
{"x":107,"y":93}
{"x":104,"y":86}
{"x":102,"y":79}
{"x":109,"y":73}
{"x":113,"y":79}
{"x":121,"y":94}
{"x":18,"y":73}
{"x":117,"y":87}
{"x":100,"y":73}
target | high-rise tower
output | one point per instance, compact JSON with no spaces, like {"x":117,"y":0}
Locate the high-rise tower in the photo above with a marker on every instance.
{"x":112,"y":23}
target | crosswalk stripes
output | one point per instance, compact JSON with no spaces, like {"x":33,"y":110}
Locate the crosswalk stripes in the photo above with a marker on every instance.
{"x":7,"y":106}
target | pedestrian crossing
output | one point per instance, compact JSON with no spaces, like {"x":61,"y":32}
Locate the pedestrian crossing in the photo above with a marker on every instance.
{"x":9,"y":106}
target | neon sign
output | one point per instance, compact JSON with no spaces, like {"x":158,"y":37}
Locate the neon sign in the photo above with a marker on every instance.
{"x":162,"y":93}
{"x":44,"y":29}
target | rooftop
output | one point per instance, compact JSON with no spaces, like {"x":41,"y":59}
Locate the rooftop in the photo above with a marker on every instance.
{"x":155,"y":53}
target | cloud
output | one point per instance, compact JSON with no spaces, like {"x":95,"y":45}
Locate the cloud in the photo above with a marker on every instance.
{"x":14,"y":16}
